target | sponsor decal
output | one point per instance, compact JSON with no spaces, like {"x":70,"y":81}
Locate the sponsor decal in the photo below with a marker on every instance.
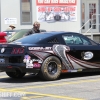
{"x":32,"y":63}
{"x":79,"y":70}
{"x":87,"y":55}
{"x":2,"y":50}
{"x":72,"y":71}
{"x":64,"y":71}
{"x":36,"y":65}
{"x":2,"y":61}
{"x":39,"y":48}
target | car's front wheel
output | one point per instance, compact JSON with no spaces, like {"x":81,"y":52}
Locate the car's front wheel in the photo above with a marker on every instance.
{"x":16,"y":74}
{"x":51,"y":68}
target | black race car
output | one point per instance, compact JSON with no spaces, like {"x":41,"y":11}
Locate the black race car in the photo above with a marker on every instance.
{"x":49,"y":54}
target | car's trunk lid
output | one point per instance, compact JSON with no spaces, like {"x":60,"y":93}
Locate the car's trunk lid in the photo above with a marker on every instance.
{"x":11,"y":49}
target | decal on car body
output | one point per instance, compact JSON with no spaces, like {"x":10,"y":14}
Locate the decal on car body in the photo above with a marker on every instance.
{"x":60,"y":50}
{"x":2,"y":50}
{"x":32,"y":63}
{"x":87,"y":55}
{"x":40,"y":48}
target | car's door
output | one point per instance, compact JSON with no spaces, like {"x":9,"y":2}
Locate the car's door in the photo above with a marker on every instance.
{"x":82,"y":48}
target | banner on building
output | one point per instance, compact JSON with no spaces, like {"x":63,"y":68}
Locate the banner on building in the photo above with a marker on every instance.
{"x":10,"y":20}
{"x":56,"y":10}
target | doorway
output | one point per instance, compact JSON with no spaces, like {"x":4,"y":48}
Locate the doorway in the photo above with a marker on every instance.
{"x":90,"y":11}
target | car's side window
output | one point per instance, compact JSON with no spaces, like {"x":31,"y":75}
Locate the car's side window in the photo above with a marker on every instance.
{"x":69,"y":39}
{"x":85,"y":42}
{"x":75,"y":40}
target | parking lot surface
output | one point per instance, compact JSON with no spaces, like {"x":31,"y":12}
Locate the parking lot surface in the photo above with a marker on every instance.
{"x":73,"y":86}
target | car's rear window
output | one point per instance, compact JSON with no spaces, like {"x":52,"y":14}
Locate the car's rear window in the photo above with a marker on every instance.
{"x":18,"y":35}
{"x":34,"y":38}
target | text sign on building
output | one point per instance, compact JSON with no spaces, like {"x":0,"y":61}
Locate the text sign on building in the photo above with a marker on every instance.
{"x":57,"y":2}
{"x":10,"y":20}
{"x":56,"y":10}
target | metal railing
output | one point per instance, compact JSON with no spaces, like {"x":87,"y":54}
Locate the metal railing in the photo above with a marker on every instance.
{"x":84,"y":25}
{"x":91,"y":28}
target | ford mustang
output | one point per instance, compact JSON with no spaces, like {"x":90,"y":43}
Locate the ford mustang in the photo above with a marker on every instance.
{"x":49,"y":54}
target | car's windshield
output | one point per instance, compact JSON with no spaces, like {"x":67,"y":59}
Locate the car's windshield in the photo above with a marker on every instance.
{"x":18,"y":35}
{"x":34,"y":38}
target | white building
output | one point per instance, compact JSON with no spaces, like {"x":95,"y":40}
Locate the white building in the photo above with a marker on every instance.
{"x":54,"y":15}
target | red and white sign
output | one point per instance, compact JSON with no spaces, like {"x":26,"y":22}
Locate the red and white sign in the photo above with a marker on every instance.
{"x":56,"y":10}
{"x":56,"y":2}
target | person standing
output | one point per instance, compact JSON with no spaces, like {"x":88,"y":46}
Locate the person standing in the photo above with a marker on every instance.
{"x":11,"y":27}
{"x":35,"y":29}
{"x":10,"y":30}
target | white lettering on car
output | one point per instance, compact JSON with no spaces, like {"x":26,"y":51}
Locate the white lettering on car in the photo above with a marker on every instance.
{"x":39,"y":48}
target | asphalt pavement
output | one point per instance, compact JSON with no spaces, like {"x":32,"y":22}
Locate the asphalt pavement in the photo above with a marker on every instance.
{"x":73,"y":86}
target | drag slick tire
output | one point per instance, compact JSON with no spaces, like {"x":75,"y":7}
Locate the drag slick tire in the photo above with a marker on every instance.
{"x":50,"y":69}
{"x":17,"y":74}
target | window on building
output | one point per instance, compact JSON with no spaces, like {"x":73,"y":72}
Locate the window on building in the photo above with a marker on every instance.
{"x":83,"y":14}
{"x":26,"y":11}
{"x":92,"y":12}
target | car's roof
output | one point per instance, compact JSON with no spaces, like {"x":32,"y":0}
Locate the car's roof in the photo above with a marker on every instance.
{"x":45,"y":35}
{"x":41,"y":37}
{"x":57,"y":33}
{"x":50,"y":34}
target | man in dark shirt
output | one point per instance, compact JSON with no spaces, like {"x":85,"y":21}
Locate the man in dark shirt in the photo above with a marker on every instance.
{"x":35,"y":29}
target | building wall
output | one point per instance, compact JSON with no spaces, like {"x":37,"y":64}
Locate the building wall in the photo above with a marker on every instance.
{"x":11,"y":9}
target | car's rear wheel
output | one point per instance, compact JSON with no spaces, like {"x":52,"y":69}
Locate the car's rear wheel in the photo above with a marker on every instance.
{"x":17,"y":74}
{"x":51,"y":68}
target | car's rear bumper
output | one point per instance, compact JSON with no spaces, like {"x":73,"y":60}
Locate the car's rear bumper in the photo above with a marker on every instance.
{"x":13,"y":67}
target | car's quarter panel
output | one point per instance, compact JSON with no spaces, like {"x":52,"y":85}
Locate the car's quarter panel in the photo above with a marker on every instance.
{"x":36,"y":55}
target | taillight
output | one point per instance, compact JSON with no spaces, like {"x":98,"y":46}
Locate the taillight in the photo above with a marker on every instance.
{"x":17,"y":51}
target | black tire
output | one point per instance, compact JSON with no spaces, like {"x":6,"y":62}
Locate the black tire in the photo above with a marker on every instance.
{"x":16,"y":74}
{"x":50,"y":69}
